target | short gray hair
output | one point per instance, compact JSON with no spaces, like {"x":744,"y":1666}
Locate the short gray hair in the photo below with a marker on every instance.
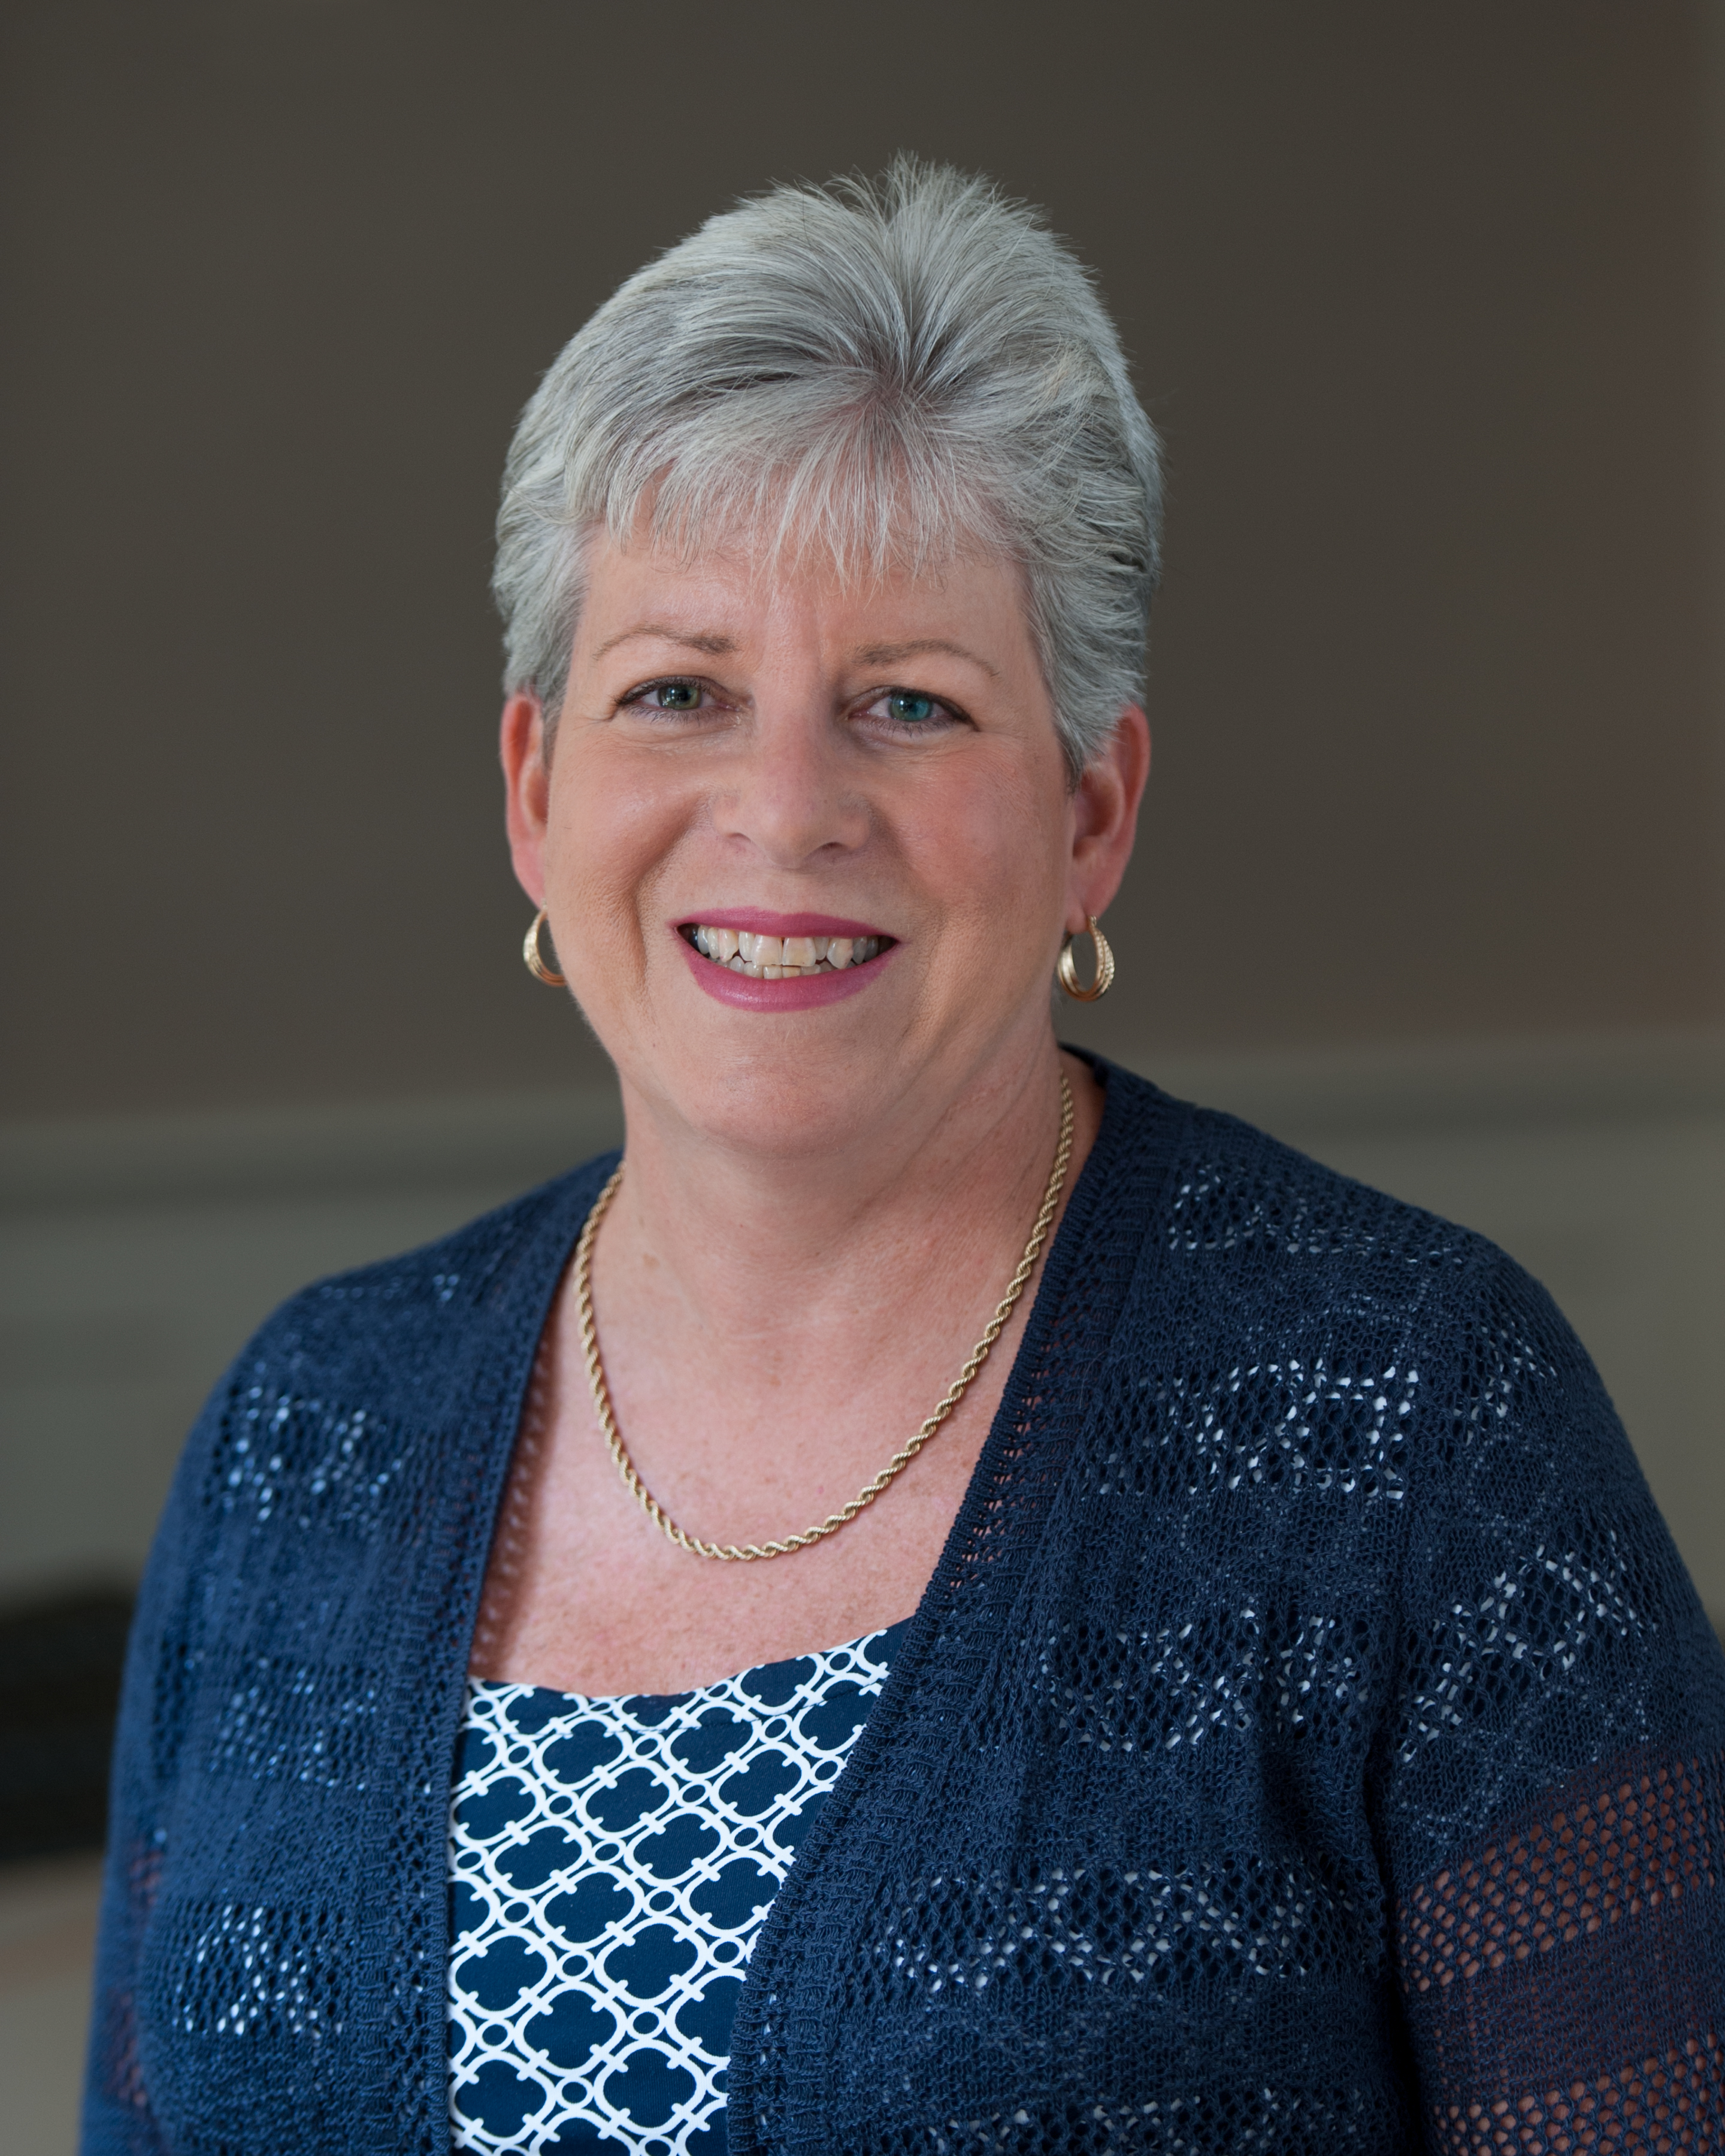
{"x":890,"y":368}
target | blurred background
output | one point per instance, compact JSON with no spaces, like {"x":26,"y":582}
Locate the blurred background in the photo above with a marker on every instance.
{"x":1429,"y":306}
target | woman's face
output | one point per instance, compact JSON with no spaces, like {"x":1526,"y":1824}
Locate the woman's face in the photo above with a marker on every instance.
{"x":839,"y":769}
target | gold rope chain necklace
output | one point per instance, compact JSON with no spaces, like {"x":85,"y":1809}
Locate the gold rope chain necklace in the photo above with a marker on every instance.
{"x":746,"y":1553}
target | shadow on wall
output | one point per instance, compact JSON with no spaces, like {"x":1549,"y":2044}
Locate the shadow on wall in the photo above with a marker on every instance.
{"x":60,"y":1663}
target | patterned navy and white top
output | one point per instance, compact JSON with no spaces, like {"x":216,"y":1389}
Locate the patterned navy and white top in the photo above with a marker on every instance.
{"x":611,"y":1863}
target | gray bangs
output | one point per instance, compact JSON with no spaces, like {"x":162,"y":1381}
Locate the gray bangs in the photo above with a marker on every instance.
{"x":888,"y":372}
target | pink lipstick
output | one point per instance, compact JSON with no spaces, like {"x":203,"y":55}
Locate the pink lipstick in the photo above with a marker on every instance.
{"x":754,"y":959}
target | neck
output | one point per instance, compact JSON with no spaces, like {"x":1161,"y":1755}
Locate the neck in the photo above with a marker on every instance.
{"x":846,"y":1241}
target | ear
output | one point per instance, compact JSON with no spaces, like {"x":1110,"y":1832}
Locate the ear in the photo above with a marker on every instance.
{"x":526,"y":790}
{"x":1105,"y":818}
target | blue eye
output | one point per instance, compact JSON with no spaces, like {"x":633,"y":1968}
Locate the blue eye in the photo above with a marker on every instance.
{"x":910,"y":710}
{"x":676,"y":695}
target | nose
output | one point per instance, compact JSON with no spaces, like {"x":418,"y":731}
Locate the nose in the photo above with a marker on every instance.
{"x":791,"y":795}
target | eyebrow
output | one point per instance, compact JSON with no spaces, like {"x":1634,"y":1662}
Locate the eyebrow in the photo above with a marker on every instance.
{"x":662,"y":632}
{"x":917,"y":647}
{"x":716,"y":645}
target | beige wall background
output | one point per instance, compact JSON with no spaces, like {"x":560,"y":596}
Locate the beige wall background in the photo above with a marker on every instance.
{"x":1428,"y":303}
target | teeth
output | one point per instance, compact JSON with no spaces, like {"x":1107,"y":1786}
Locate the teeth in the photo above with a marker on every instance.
{"x":783,"y":958}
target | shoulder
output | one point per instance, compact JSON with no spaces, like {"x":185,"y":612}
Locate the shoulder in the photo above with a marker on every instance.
{"x":1239,"y":1213}
{"x":410,"y":1337}
{"x":1266,"y":1276}
{"x":1380,"y":1404}
{"x":381,"y":1396}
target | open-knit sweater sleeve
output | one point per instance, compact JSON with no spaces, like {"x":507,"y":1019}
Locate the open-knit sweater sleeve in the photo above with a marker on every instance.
{"x":1554,"y":1804}
{"x":118,"y":2120}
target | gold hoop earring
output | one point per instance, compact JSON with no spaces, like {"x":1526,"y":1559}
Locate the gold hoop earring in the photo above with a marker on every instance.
{"x":536,"y":965}
{"x":1066,"y":973}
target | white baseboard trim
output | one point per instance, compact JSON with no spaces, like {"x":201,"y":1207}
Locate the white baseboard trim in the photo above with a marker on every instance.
{"x":136,"y":1255}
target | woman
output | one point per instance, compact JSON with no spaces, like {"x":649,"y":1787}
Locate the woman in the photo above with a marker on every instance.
{"x":1259,"y":1708}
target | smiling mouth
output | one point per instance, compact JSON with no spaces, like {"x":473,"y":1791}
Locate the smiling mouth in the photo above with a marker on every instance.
{"x":783,"y":958}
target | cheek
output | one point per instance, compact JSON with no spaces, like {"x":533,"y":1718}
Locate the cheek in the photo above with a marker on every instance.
{"x":608,"y":831}
{"x":996,"y":848}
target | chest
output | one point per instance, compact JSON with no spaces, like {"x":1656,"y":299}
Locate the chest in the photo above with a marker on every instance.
{"x":585,"y":1593}
{"x":1094,"y":1844}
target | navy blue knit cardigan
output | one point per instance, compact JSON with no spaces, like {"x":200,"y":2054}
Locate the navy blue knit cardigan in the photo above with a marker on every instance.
{"x":1310,"y":1739}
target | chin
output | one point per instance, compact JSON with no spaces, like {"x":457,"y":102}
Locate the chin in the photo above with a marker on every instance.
{"x":788,"y":1102}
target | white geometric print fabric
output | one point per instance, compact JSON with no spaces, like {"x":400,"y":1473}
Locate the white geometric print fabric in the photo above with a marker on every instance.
{"x":611,"y":1863}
